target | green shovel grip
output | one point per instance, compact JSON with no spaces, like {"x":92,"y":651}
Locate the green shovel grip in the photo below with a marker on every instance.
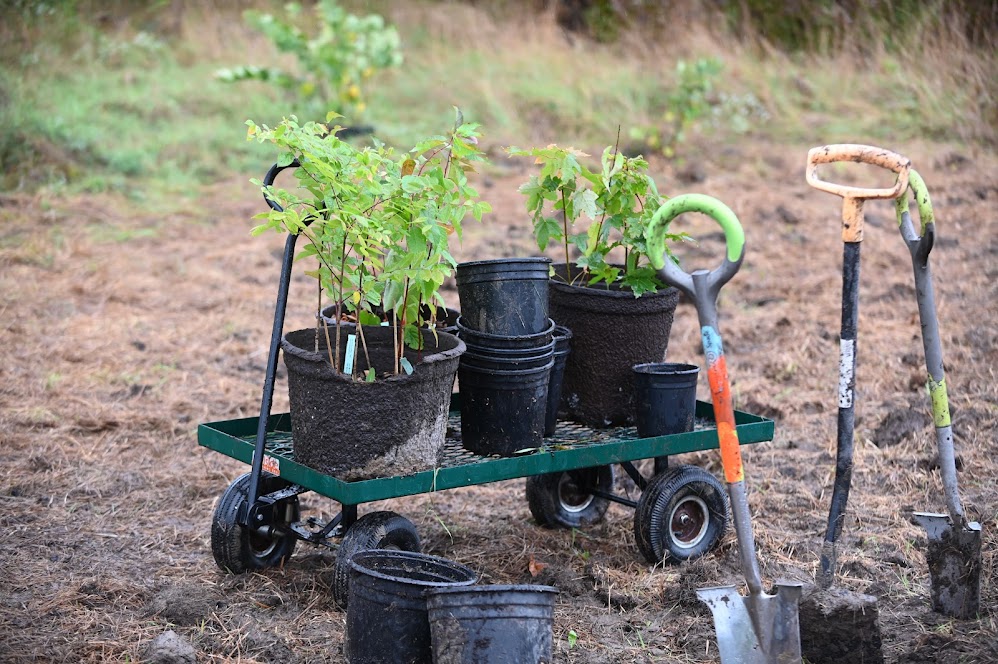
{"x":734,"y":236}
{"x":921,"y":193}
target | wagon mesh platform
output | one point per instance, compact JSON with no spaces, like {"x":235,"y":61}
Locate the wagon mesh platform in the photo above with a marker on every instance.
{"x":571,"y":447}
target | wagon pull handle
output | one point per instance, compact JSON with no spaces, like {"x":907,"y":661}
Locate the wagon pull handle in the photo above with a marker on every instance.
{"x":269,"y":178}
{"x":670,"y":272}
{"x":852,"y":205}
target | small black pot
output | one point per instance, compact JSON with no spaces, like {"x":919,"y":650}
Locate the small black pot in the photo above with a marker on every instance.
{"x":485,"y":624}
{"x":666,"y":398}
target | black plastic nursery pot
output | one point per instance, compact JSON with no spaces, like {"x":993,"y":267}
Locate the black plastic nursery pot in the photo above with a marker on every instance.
{"x":665,"y":396}
{"x":503,"y":411}
{"x":504,"y":296}
{"x":484,"y":359}
{"x":562,"y":340}
{"x":387,"y":619}
{"x":352,"y":429}
{"x":611,"y":332}
{"x":446,"y":318}
{"x":499,"y":342}
{"x":488,"y":624}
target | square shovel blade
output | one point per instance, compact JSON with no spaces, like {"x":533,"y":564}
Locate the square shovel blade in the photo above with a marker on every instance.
{"x":954,"y":557}
{"x":757,"y":629}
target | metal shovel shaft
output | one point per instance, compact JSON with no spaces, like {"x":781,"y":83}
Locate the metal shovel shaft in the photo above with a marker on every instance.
{"x":760,"y":628}
{"x":954,"y":544}
{"x":919,"y":248}
{"x":847,"y":411}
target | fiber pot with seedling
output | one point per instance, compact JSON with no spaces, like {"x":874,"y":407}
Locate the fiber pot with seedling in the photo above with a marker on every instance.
{"x":372,"y":399}
{"x":611,"y":298}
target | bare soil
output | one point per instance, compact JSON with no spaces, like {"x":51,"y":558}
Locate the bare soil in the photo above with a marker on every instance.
{"x":124,"y":326}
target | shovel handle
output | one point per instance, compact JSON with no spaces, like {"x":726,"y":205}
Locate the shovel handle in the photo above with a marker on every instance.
{"x":918,"y":189}
{"x":853,"y":197}
{"x":734,"y":239}
{"x":861,"y":154}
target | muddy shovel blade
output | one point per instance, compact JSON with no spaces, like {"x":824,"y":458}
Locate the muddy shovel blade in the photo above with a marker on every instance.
{"x":758,"y":629}
{"x":954,"y":558}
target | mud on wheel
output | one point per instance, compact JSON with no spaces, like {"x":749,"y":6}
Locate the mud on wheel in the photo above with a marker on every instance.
{"x":239,"y":549}
{"x":681,"y":514}
{"x":565,"y":500}
{"x":377,"y":530}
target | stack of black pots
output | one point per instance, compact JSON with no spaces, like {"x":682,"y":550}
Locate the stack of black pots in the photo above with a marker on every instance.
{"x":505,"y":373}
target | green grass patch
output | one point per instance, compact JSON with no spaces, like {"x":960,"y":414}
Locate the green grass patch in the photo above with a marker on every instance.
{"x":118,"y":107}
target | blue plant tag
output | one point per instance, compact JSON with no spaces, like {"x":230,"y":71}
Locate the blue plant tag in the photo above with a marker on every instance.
{"x":406,"y":366}
{"x":348,"y":359}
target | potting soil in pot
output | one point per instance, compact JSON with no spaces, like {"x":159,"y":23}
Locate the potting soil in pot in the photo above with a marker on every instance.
{"x":353,"y":429}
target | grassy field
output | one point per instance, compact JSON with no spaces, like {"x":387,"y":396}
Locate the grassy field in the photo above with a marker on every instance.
{"x":123,"y":97}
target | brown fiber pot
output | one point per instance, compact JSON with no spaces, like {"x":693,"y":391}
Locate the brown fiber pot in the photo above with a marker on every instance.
{"x":354,"y":430}
{"x":611,"y":332}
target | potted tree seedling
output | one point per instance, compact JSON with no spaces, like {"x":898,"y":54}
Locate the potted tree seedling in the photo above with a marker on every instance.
{"x":371,"y":399}
{"x":609,"y":296}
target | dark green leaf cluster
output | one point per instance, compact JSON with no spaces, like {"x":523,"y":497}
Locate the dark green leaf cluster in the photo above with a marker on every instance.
{"x":596,"y":212}
{"x":377,"y":222}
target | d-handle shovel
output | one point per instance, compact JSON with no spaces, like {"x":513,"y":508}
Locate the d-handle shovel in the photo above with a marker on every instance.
{"x":954,"y":543}
{"x":759,"y":628}
{"x":852,"y":236}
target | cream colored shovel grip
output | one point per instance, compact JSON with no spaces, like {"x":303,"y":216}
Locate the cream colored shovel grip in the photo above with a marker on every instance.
{"x":861,"y":154}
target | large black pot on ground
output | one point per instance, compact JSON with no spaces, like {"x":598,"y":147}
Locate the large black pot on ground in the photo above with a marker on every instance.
{"x":387,"y":621}
{"x":611,"y":332}
{"x":487,"y":624}
{"x":356,"y":430}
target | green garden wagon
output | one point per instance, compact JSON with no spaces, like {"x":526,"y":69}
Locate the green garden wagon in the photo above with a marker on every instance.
{"x":681,"y":513}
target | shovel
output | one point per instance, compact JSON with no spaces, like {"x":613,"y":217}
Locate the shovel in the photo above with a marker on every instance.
{"x":954,"y":543}
{"x":759,"y":628}
{"x":852,"y":236}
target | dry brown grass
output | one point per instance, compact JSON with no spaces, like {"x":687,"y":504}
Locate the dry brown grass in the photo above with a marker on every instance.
{"x":116,"y":349}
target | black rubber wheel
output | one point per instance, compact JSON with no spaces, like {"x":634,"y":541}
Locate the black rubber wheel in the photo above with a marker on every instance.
{"x":565,"y":500}
{"x":377,"y":530}
{"x":681,"y":515}
{"x":238,"y":549}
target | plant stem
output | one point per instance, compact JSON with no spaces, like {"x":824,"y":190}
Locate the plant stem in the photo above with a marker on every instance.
{"x":360,"y":328}
{"x":564,"y":234}
{"x":339,"y":297}
{"x":329,"y":346}
{"x":318,"y":318}
{"x":395,"y":341}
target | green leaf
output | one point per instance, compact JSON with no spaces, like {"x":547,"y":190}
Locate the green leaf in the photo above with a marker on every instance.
{"x":367,"y":318}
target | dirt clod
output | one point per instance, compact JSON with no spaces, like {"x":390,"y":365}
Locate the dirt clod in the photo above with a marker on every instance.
{"x":170,"y":648}
{"x":900,"y":423}
{"x":838,"y":625}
